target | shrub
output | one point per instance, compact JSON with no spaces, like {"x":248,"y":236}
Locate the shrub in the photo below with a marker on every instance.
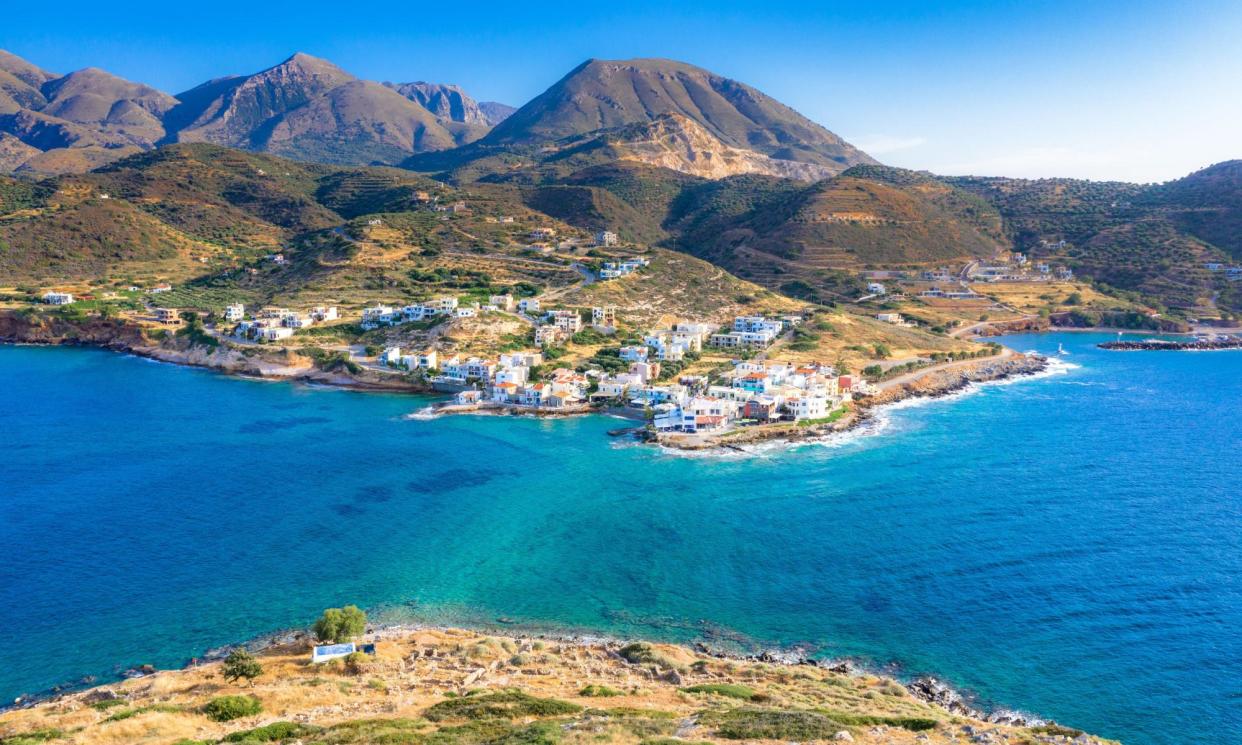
{"x":501,"y":705}
{"x":228,"y":708}
{"x":33,"y":737}
{"x":641,"y":653}
{"x":340,"y":624}
{"x":355,"y":663}
{"x":598,"y":691}
{"x":241,"y":664}
{"x":732,"y":690}
{"x":776,"y":724}
{"x":274,"y":732}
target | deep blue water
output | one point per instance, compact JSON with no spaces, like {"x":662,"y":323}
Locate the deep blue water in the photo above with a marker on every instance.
{"x":1070,"y":545}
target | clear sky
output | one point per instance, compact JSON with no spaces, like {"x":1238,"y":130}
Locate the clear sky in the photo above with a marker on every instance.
{"x":1138,"y":90}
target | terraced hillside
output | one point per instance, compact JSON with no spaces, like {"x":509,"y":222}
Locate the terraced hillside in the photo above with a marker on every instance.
{"x":1152,"y":239}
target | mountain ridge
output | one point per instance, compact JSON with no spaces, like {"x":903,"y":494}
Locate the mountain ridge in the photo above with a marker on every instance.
{"x":303,"y":106}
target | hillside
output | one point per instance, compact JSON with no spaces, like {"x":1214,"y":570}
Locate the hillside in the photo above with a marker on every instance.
{"x":1152,"y":239}
{"x":208,"y":218}
{"x":463,"y":688}
{"x":1207,"y":204}
{"x":800,"y":239}
{"x":304,"y":107}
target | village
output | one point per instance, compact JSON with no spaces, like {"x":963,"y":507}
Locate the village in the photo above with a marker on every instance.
{"x":752,"y":392}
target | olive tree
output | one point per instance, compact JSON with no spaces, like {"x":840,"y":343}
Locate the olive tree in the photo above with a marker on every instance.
{"x":340,"y":624}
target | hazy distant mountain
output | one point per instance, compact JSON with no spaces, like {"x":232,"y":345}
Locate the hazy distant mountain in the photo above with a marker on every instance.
{"x":602,"y":94}
{"x":495,"y":113}
{"x":304,"y":107}
{"x":447,"y":102}
{"x":20,"y":84}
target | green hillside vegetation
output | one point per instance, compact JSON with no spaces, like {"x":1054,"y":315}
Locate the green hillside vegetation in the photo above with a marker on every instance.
{"x":1152,"y":239}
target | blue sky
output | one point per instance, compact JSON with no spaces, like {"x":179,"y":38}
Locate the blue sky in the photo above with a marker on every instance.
{"x":1140,"y":91}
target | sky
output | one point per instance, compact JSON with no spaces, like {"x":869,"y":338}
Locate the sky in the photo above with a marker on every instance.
{"x":1134,"y":91}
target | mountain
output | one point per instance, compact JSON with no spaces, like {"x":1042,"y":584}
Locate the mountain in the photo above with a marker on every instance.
{"x":21,"y":84}
{"x":310,"y":109}
{"x":86,"y":118}
{"x":447,"y":102}
{"x":304,"y":107}
{"x":358,"y":122}
{"x":242,"y":105}
{"x":495,"y":113}
{"x":112,"y":105}
{"x":602,"y":94}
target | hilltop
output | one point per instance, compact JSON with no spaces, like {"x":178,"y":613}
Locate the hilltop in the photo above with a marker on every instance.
{"x":458,"y":687}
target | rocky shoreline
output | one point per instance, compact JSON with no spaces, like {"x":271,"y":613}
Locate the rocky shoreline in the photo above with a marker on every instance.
{"x":925,"y":688}
{"x":1156,"y":345}
{"x":931,"y":383}
{"x":119,"y":336}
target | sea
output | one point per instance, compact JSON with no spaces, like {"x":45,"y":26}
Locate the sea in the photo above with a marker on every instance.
{"x":1068,"y":545}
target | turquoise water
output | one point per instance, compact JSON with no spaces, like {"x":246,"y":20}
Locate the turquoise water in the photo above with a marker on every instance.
{"x":1070,"y":545}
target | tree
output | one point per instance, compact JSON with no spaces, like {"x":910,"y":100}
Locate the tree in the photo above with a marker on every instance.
{"x":340,"y":624}
{"x":241,"y":664}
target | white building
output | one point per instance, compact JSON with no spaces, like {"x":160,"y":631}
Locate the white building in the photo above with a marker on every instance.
{"x":567,"y":320}
{"x":548,"y":335}
{"x":376,"y":316}
{"x":391,"y":356}
{"x":274,"y":333}
{"x":528,"y":305}
{"x":57,"y":298}
{"x":637,"y":353}
{"x":605,"y":238}
{"x":234,"y":312}
{"x":604,"y":319}
{"x":807,"y":407}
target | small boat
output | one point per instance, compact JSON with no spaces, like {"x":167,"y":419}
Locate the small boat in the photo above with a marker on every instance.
{"x":1061,"y":350}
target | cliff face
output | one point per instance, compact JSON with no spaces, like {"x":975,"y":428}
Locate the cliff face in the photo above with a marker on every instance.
{"x":39,"y":328}
{"x":679,"y":143}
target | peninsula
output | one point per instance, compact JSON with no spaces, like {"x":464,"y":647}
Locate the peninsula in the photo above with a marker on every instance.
{"x":462,"y":687}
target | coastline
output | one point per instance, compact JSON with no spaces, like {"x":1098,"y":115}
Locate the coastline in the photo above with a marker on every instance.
{"x":933,"y":382}
{"x":287,"y":365}
{"x":275,"y":364}
{"x":444,"y":663}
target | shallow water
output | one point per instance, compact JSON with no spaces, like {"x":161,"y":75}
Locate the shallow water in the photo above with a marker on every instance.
{"x":1068,"y":545}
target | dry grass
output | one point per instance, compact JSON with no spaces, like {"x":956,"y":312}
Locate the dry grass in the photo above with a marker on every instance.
{"x":413,"y":672}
